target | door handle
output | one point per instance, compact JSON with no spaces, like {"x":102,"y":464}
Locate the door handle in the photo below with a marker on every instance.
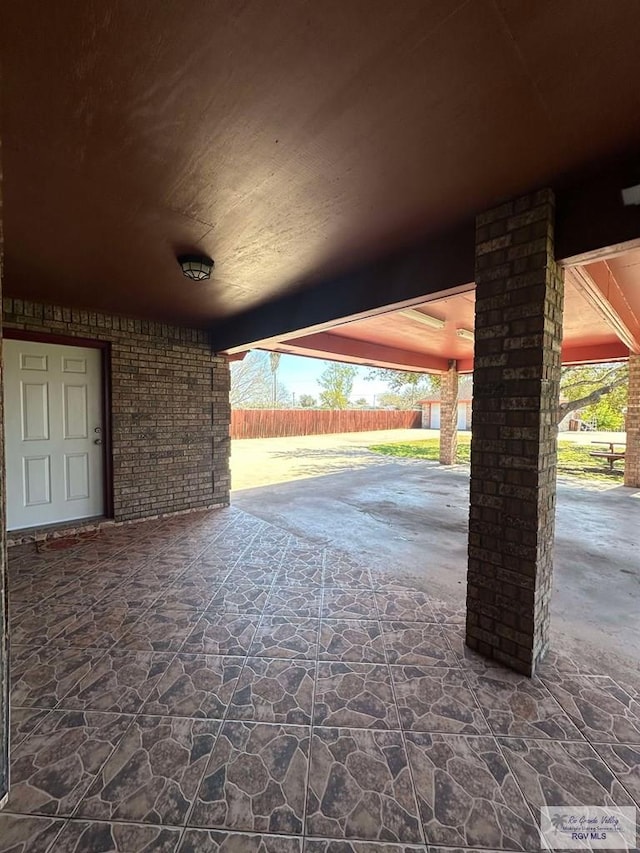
{"x":97,"y":441}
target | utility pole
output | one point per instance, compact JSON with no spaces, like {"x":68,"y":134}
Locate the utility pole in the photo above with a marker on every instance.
{"x":274,"y":359}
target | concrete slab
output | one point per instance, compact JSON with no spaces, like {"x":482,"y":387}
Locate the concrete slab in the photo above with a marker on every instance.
{"x":409,"y":517}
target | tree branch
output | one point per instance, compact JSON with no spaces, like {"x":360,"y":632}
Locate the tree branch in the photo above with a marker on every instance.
{"x":589,"y":399}
{"x":589,"y":380}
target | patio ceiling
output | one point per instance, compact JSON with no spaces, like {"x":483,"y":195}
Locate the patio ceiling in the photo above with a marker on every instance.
{"x":291,"y":140}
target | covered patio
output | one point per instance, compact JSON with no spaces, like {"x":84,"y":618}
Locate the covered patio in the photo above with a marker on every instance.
{"x":440,"y":186}
{"x":213,"y":683}
{"x":374,"y":506}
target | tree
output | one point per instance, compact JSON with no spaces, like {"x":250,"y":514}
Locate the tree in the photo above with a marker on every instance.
{"x":307,"y":401}
{"x":599,"y":391}
{"x":337,"y":384}
{"x":389,"y":399}
{"x":274,"y":361}
{"x":252,"y":383}
{"x":361,"y":403}
{"x":407,"y":388}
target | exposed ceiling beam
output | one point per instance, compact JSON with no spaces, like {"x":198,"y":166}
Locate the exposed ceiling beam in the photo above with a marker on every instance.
{"x":465,"y":365}
{"x":439,"y":266}
{"x":329,"y":346}
{"x":597,"y":354}
{"x":598,"y":286}
{"x":325,"y":345}
{"x":591,"y":223}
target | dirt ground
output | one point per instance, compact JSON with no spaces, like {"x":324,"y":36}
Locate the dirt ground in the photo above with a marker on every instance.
{"x":263,"y":461}
{"x":409,"y":517}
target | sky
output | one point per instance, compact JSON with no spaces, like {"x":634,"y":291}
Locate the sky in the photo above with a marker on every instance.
{"x":299,"y":375}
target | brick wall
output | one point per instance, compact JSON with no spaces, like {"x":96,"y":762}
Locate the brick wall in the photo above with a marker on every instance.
{"x":632,"y":451}
{"x":449,"y":416}
{"x":518,"y":336}
{"x":170,"y":407}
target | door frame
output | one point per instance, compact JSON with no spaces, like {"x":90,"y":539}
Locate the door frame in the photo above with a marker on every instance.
{"x":105,"y":396}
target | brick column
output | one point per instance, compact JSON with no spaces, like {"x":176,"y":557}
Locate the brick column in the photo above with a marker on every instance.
{"x":516,"y":379}
{"x":449,"y":416}
{"x":632,"y":453}
{"x":426,"y":416}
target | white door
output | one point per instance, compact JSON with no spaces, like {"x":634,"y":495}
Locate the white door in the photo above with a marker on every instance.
{"x":435,"y":416}
{"x":53,"y":433}
{"x":462,"y":415}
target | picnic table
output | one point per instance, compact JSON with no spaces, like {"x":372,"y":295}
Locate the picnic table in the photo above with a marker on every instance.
{"x":611,"y":455}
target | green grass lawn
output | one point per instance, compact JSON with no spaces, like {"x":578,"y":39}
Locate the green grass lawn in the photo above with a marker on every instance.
{"x":573,"y":459}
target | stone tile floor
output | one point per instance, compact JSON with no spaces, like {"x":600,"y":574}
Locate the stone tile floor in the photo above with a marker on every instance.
{"x":211,"y":683}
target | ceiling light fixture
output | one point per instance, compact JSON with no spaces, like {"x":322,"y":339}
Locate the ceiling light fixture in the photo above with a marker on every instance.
{"x":425,"y":319}
{"x":631,"y":195}
{"x":465,"y":334}
{"x":196,"y":267}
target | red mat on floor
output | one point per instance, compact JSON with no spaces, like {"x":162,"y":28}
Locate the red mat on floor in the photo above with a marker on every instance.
{"x":63,"y":542}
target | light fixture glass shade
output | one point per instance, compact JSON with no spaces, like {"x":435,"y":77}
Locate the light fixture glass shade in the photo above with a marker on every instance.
{"x":425,"y":319}
{"x":196,"y":267}
{"x":465,"y":334}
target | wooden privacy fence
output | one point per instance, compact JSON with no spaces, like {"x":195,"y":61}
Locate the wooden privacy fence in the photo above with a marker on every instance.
{"x":274,"y":423}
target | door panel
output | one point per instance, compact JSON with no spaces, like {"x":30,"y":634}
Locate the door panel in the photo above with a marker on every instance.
{"x":74,"y":365}
{"x":37,"y":480}
{"x":75,"y":411}
{"x":33,"y":362}
{"x":76,"y":476}
{"x":53,"y":432}
{"x":35,"y":411}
